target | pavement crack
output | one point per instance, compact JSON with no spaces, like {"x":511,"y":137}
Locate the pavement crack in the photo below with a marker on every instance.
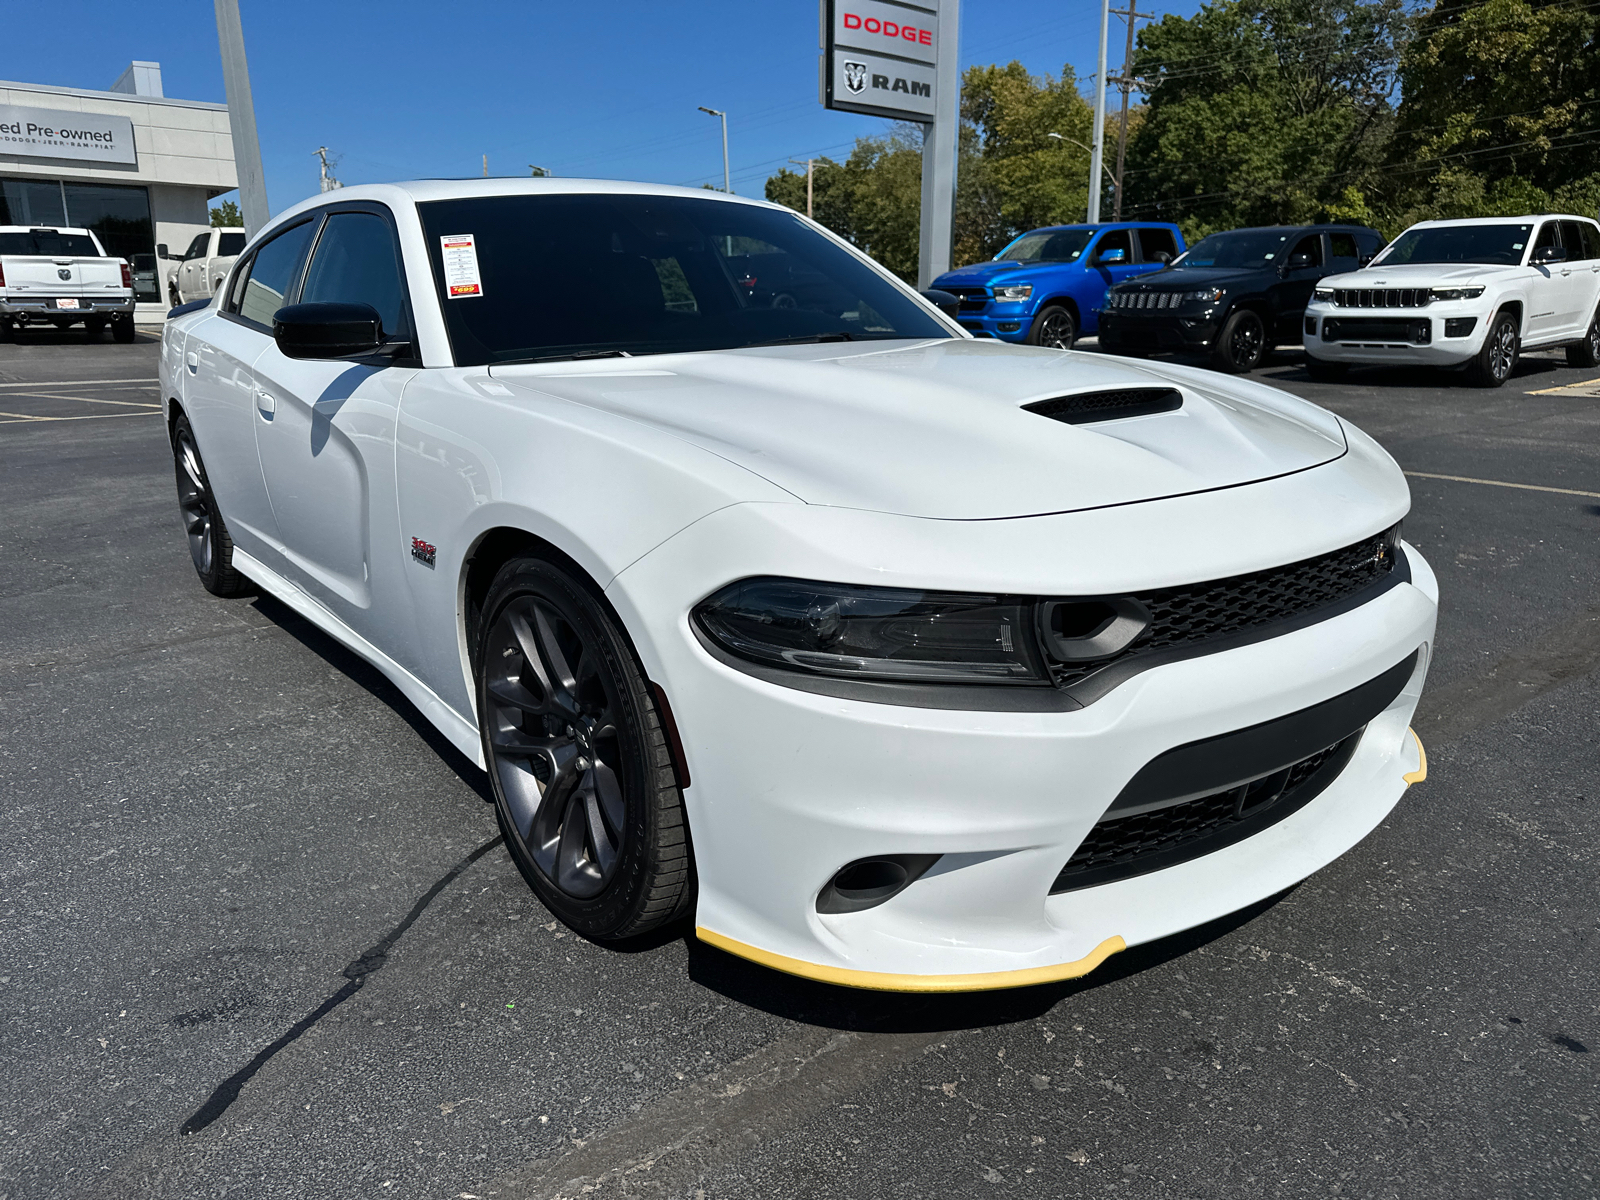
{"x":356,"y":974}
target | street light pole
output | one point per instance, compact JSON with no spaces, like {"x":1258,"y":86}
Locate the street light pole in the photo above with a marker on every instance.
{"x":242,"y":118}
{"x":1098,"y":153}
{"x":727,"y":184}
{"x":1111,"y":179}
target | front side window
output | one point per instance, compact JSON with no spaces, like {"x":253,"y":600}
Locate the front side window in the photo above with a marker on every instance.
{"x":1116,"y":239}
{"x":1311,"y":247}
{"x":1342,"y":245}
{"x":1047,"y":245}
{"x":197,"y":248}
{"x":229,"y":244}
{"x":1153,"y":243}
{"x":557,"y":276}
{"x":270,"y":273}
{"x":1491,"y":245}
{"x":355,"y":263}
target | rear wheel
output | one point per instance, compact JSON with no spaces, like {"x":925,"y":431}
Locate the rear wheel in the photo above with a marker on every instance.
{"x":1241,"y":345}
{"x":1493,"y":364}
{"x":210,"y":547}
{"x":1054,"y":326}
{"x":584,"y":785}
{"x":1322,"y":369}
{"x":1587,"y":352}
{"x":94,"y":327}
{"x":8,"y":331}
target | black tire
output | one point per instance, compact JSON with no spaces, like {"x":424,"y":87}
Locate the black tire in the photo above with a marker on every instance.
{"x":584,"y":785}
{"x":1054,"y":326}
{"x":122,"y":327}
{"x":1241,"y":346}
{"x":1325,"y":371}
{"x":173,"y":298}
{"x":94,"y":328}
{"x":1587,"y":352}
{"x":1495,"y":361}
{"x":8,"y":331}
{"x":210,"y":546}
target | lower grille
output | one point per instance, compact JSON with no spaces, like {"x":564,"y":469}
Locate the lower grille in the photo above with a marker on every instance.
{"x":972,"y":299}
{"x":1414,"y":331}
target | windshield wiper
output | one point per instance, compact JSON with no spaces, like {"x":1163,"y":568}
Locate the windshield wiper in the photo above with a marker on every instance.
{"x":514,"y":362}
{"x":841,"y":335}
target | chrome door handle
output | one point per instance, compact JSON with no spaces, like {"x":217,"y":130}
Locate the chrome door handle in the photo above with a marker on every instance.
{"x":266,"y":403}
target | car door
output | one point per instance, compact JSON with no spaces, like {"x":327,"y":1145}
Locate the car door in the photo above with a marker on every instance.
{"x":1575,"y":278}
{"x":1589,"y":233}
{"x":325,"y":430}
{"x":1544,"y":291}
{"x":220,"y":396}
{"x":1292,"y":292}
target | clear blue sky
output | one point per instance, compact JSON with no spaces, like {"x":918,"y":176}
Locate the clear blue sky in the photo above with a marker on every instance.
{"x":406,"y":89}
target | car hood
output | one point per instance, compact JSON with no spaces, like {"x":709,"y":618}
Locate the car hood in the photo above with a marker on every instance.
{"x":1416,"y":275}
{"x":1173,"y":279}
{"x":979,"y":274}
{"x":938,"y":428}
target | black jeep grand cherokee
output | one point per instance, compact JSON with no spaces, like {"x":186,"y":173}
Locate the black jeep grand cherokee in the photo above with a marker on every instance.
{"x":1232,"y":295}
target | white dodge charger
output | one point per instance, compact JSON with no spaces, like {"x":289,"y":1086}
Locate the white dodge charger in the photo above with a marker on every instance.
{"x":900,"y":659}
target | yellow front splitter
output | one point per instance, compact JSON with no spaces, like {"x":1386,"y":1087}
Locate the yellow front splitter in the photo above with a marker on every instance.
{"x":884,"y":981}
{"x":1421,"y":772}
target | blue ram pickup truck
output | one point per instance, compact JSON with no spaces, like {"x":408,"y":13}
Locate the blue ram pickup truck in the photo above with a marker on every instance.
{"x":1047,"y":287}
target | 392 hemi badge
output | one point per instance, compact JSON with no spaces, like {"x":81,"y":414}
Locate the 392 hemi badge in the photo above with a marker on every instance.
{"x":423,"y":551}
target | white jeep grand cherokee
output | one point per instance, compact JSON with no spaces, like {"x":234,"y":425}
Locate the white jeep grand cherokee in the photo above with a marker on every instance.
{"x":1469,"y":293}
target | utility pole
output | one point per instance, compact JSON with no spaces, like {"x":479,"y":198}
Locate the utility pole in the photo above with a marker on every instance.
{"x":486,"y":166}
{"x":1097,"y":155}
{"x":727,"y":184}
{"x":242,"y":118}
{"x":1126,"y":83}
{"x":807,"y":161}
{"x":329,"y":183}
{"x":540,"y":172}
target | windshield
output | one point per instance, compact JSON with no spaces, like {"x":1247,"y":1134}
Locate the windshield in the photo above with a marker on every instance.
{"x":48,"y":241}
{"x":1500,"y":245}
{"x":1251,"y":248}
{"x":542,"y":277}
{"x":1047,"y":245}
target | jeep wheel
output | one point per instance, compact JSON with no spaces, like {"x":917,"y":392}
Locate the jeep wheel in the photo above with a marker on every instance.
{"x":1053,"y":327}
{"x":1493,"y":364}
{"x":1587,"y":352}
{"x":1241,"y":345}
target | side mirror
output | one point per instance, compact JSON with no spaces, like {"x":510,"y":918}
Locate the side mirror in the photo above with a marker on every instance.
{"x":327,"y":330}
{"x":946,"y":302}
{"x":1549,"y":254}
{"x":1107,"y":257}
{"x":1299,"y":261}
{"x":161,"y":250}
{"x":1162,"y":257}
{"x":1366,"y":259}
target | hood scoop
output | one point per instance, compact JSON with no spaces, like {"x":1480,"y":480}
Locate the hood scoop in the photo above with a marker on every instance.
{"x":1087,"y":407}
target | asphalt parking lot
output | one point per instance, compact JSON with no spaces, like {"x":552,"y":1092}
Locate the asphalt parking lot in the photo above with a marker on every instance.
{"x":256,"y":938}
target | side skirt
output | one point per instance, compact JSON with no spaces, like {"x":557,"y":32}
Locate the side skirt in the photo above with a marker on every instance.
{"x":463,"y":734}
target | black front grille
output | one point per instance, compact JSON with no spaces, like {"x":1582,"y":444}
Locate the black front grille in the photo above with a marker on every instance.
{"x":1415,"y":331}
{"x":1121,"y":847}
{"x":1143,"y":299}
{"x":1108,"y":406}
{"x":1182,"y":617}
{"x":973,"y":299}
{"x":1382,"y":297}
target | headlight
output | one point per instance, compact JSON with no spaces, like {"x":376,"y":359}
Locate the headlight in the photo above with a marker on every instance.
{"x":1206,"y":294}
{"x":1014,"y":291}
{"x":1458,"y":293}
{"x":874,"y":633}
{"x":1323,"y":294}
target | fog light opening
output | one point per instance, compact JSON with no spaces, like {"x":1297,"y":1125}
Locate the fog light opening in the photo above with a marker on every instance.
{"x":868,"y":882}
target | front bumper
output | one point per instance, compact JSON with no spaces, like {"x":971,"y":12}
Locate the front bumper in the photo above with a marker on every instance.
{"x":1155,"y":332}
{"x":789,"y":786}
{"x":1008,"y":322}
{"x":45,"y":309}
{"x":1435,"y":336}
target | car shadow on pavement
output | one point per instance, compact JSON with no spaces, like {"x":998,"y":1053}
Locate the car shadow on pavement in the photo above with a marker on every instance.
{"x":1397,"y":376}
{"x":832,"y":1007}
{"x":352,"y":665}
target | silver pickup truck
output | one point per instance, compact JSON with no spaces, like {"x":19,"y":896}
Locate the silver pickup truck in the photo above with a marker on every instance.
{"x":61,"y":276}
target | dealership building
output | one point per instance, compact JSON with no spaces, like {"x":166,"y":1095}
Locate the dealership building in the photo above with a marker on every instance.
{"x":134,"y":166}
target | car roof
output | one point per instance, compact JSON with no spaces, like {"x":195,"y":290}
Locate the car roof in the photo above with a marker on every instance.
{"x":1527,"y":219}
{"x":1308,"y":228}
{"x":51,"y":228}
{"x":1100,"y":225}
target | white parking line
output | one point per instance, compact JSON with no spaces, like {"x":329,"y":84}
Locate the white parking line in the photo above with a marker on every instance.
{"x":81,"y":399}
{"x":1524,"y":487}
{"x":19,"y":418}
{"x":75,"y":382}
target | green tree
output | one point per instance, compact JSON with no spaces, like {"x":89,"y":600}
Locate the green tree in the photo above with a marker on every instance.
{"x":226,"y":215}
{"x":1263,"y":111}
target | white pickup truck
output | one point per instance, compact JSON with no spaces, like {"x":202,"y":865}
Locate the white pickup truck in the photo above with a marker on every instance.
{"x":61,"y":276}
{"x":205,"y":263}
{"x":1464,"y":293}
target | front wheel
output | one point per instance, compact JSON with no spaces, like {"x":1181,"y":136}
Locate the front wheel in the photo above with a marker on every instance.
{"x":1054,"y":326}
{"x":210,"y":546}
{"x":1241,"y":345}
{"x":1493,"y":364}
{"x":585,"y":789}
{"x":1587,"y":352}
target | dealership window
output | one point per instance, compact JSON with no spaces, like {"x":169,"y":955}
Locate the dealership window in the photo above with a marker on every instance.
{"x":119,"y":216}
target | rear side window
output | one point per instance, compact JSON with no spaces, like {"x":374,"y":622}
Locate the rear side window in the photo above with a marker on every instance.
{"x":1572,"y":237}
{"x":1155,"y":242}
{"x":267,"y":278}
{"x":48,"y":241}
{"x":1591,"y":239}
{"x":355,"y":263}
{"x":230,"y":244}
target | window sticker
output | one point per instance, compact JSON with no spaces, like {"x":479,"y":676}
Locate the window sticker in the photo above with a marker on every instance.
{"x":461,"y":278}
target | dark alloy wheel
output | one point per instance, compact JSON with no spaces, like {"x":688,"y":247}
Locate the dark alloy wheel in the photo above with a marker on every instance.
{"x":210,"y":546}
{"x":1587,"y":352}
{"x":585,"y":789}
{"x":1054,"y":327}
{"x":1493,"y":364}
{"x":1241,"y":345}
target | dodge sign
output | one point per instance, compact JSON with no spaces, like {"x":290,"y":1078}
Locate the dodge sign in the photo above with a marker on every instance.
{"x":880,"y":57}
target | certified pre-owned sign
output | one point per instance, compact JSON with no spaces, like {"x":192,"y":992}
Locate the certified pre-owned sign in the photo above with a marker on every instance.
{"x":880,"y":57}
{"x":51,"y":133}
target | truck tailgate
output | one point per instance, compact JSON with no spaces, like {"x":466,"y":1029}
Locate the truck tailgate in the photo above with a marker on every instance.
{"x":61,"y":276}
